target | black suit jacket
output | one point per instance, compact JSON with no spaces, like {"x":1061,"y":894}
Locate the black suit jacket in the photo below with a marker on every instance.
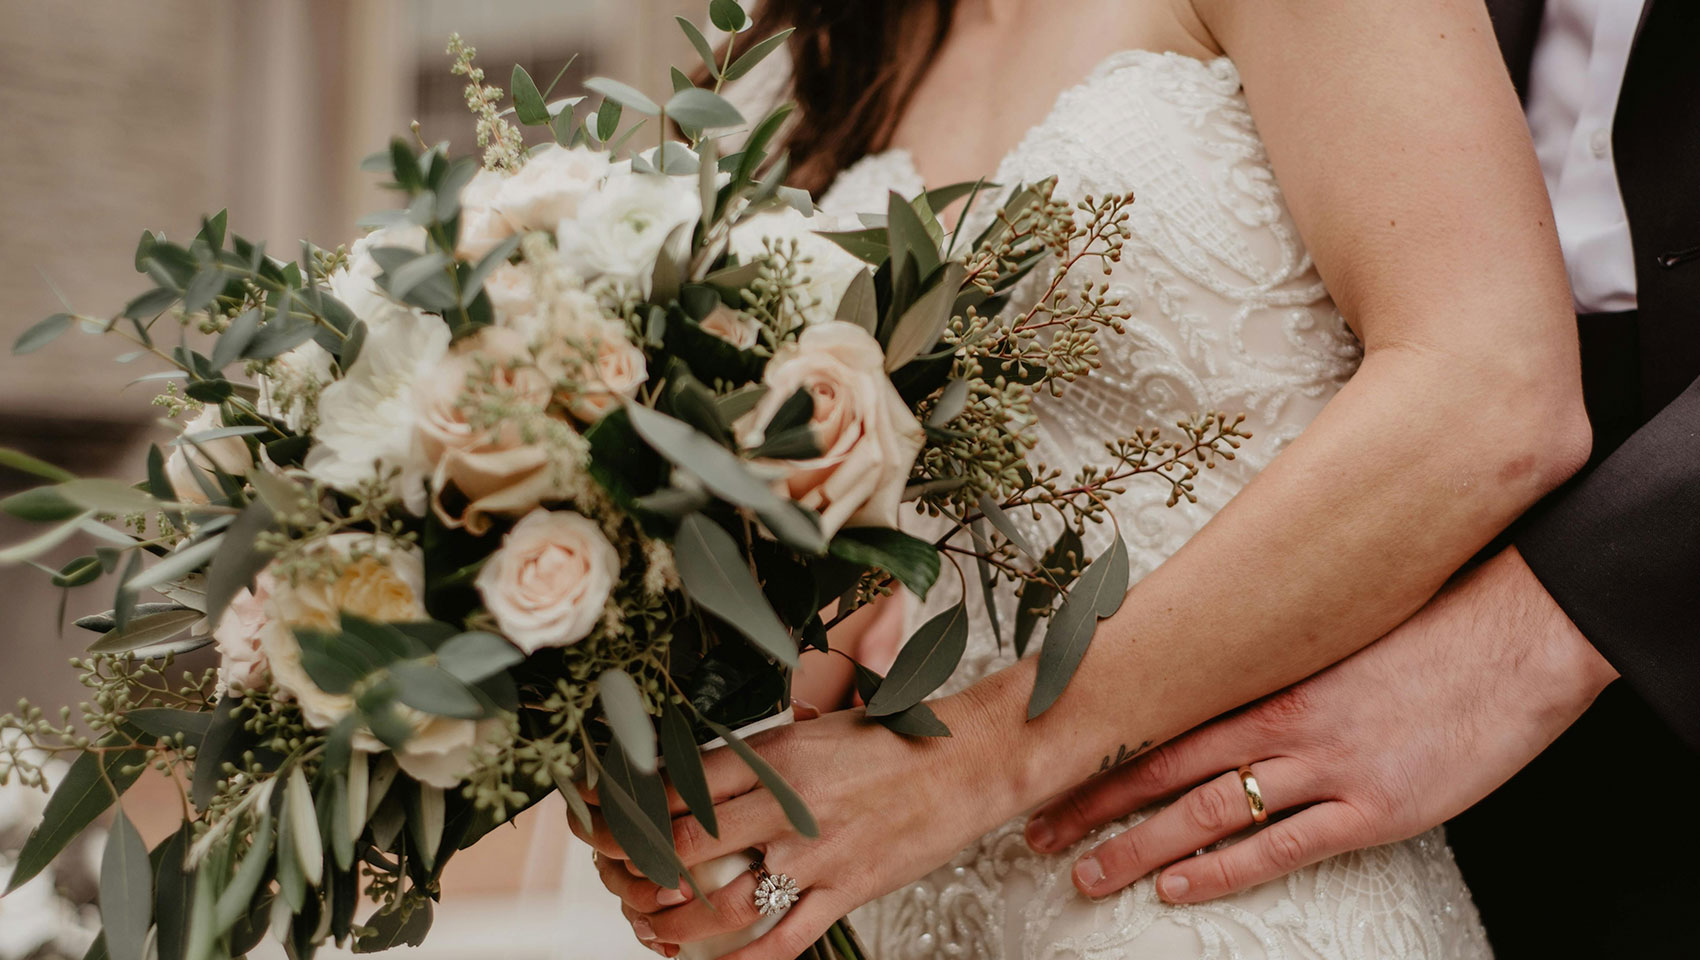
{"x":1594,"y":849}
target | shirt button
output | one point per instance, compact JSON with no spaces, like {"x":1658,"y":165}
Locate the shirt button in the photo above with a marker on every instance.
{"x":1600,"y":143}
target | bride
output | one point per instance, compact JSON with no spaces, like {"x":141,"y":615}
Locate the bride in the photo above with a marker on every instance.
{"x":1340,"y":230}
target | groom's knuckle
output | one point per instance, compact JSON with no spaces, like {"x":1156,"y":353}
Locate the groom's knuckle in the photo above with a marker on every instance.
{"x":1284,"y":850}
{"x":1207,"y":808}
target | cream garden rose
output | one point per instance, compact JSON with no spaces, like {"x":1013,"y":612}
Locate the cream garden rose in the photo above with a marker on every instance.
{"x":482,"y":225}
{"x":379,"y":580}
{"x":548,"y":582}
{"x":868,"y":435}
{"x":483,"y":426}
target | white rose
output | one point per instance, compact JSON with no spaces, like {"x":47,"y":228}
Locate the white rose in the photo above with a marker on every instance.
{"x":826,"y":267}
{"x":621,"y":227}
{"x":441,"y":749}
{"x":356,"y":285}
{"x":512,"y":295}
{"x":229,"y":454}
{"x":547,"y":584}
{"x":482,"y":225}
{"x":290,"y":389}
{"x":242,"y":662}
{"x":869,"y":436}
{"x":550,"y":187}
{"x":368,"y":419}
{"x":732,"y":326}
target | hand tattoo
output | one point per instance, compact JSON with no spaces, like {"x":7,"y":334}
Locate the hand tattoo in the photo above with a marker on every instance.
{"x":1123,"y":755}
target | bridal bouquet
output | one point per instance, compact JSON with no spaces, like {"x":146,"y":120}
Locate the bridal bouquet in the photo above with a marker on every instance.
{"x":540,"y":484}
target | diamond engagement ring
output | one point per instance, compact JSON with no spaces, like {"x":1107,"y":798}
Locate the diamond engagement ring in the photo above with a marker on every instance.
{"x":775,"y":892}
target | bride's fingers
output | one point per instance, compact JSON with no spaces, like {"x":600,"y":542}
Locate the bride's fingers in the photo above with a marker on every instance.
{"x":799,"y":928}
{"x":639,"y":893}
{"x":732,"y":907}
{"x":752,"y":820}
{"x":1164,"y":772}
{"x":1213,"y":811}
{"x":1313,"y":834}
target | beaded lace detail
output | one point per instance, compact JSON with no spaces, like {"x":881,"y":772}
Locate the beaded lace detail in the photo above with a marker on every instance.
{"x":1228,"y":314}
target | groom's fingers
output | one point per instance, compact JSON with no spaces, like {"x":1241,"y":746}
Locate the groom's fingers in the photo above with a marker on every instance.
{"x":1314,"y":834}
{"x":1175,"y":766}
{"x":1213,"y":811}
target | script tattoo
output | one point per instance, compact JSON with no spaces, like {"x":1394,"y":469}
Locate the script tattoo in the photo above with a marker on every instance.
{"x":1123,"y":755}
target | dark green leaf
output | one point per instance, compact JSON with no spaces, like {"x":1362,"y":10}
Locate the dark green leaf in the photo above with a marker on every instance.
{"x":745,"y":63}
{"x":798,"y":443}
{"x":78,"y":572}
{"x":396,"y":927}
{"x":717,"y":577}
{"x":236,"y":338}
{"x":42,"y":333}
{"x":624,"y":95}
{"x":684,"y":766}
{"x":988,"y":580}
{"x":1034,"y":596}
{"x":81,"y":796}
{"x":173,"y":893}
{"x":739,"y":402}
{"x":1098,"y":594}
{"x":727,"y":15}
{"x":529,"y":107}
{"x":909,"y":236}
{"x":925,"y":662}
{"x":608,"y":119}
{"x":223,"y":743}
{"x":917,"y":721}
{"x":126,"y":890}
{"x":913,"y":561}
{"x":795,"y":809}
{"x":797,"y":410}
{"x":870,"y":245}
{"x":145,"y":631}
{"x":150,"y":304}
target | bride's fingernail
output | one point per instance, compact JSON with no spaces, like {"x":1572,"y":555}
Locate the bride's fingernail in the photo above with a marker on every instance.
{"x":1173,"y":887}
{"x":1088,"y":872}
{"x":1040,"y":834}
{"x":644,"y":931}
{"x":668,"y":897}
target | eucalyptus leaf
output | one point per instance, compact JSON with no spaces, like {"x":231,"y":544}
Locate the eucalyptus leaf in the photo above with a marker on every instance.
{"x":909,"y":236}
{"x":146,"y":631}
{"x":471,"y":657}
{"x":82,"y":795}
{"x":1036,"y":595}
{"x":399,"y":926}
{"x":700,"y":42}
{"x":684,"y":766}
{"x":635,"y":807}
{"x":173,"y":893}
{"x":1005,"y":524}
{"x":951,"y":403}
{"x":717,"y":577}
{"x":42,"y":334}
{"x":234,"y":901}
{"x":23,"y":462}
{"x":728,"y":15}
{"x":921,"y":326}
{"x":988,"y":580}
{"x":304,"y":826}
{"x":106,"y":496}
{"x":622,"y":704}
{"x":795,"y":809}
{"x":177,"y":564}
{"x":238,"y":560}
{"x":924,"y":664}
{"x":748,"y":60}
{"x":40,"y":505}
{"x":860,"y":303}
{"x":703,"y":109}
{"x":431,"y":689}
{"x":624,"y":95}
{"x":126,"y":890}
{"x":529,"y":108}
{"x":1096,"y":595}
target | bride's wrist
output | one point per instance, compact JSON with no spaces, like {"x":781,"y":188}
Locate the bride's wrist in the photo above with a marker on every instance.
{"x":985,"y":722}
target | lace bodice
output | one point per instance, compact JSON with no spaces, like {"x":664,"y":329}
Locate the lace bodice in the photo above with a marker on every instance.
{"x":1228,"y":314}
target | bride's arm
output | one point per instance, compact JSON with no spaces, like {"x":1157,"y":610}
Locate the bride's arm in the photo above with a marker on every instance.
{"x":1404,"y":157}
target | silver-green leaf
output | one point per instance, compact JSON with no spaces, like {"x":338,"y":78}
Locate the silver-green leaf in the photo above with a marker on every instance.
{"x":622,"y":704}
{"x":1096,"y":595}
{"x":924,"y":664}
{"x":717,"y":577}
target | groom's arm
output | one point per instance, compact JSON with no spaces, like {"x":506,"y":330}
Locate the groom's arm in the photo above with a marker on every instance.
{"x":1619,"y":550}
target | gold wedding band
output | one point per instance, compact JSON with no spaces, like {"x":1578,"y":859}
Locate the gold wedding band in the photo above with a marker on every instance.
{"x":1253,"y":796}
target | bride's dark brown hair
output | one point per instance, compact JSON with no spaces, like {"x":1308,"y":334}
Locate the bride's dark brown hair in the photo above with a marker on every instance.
{"x":854,"y":66}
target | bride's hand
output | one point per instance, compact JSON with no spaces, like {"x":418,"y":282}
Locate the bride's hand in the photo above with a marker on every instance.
{"x":889,"y":809}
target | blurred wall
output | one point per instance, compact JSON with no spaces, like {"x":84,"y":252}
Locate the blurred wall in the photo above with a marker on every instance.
{"x":123,"y":115}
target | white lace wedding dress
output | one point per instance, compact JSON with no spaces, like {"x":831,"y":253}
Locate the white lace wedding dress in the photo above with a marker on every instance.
{"x":1228,"y":314}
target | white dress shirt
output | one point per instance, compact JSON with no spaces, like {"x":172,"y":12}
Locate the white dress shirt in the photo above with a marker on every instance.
{"x":1574,"y":79}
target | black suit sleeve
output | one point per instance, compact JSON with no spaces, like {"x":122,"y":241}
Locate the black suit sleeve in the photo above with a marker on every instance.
{"x":1619,"y":549}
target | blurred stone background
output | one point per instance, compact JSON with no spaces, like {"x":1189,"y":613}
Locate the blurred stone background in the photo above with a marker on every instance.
{"x":123,"y":115}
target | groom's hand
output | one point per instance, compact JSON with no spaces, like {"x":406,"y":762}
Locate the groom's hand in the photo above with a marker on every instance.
{"x":1380,"y":747}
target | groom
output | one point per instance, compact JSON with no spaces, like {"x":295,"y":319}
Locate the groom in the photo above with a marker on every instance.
{"x":1592,"y":848}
